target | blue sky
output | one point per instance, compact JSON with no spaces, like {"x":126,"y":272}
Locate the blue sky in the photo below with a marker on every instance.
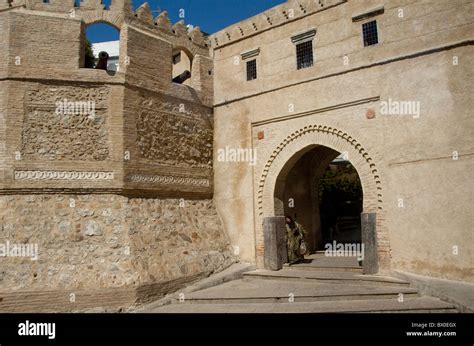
{"x":210,"y":15}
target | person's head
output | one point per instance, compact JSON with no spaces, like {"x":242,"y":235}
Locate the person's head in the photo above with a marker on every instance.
{"x":289,"y":220}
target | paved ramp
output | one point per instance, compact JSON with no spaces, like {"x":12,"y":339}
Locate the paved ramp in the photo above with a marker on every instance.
{"x":320,"y":285}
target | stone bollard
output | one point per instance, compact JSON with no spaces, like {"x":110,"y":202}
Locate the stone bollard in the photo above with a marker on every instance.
{"x":369,"y":240}
{"x":274,"y":235}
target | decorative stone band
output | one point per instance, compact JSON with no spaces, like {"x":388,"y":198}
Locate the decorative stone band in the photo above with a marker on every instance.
{"x":169,"y":180}
{"x":250,"y":54}
{"x":304,"y":37}
{"x":63,"y":175}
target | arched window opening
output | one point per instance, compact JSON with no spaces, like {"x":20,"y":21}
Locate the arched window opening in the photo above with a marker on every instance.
{"x":182,"y":63}
{"x":101,"y":47}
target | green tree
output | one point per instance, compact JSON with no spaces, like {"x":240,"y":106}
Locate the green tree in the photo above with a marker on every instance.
{"x":89,"y":61}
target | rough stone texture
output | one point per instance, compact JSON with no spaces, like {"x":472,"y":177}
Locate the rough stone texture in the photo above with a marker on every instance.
{"x":52,"y":136}
{"x":171,"y":132}
{"x":108,"y":241}
{"x":187,"y":239}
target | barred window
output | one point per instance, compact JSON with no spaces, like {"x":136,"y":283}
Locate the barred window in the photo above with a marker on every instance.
{"x":369,"y":31}
{"x":304,"y":54}
{"x":251,"y":70}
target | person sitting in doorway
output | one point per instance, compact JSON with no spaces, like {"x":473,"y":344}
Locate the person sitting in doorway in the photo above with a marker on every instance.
{"x":294,"y":239}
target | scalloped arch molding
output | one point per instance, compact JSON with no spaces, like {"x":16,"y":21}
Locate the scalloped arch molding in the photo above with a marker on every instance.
{"x":341,"y":141}
{"x":329,"y":137}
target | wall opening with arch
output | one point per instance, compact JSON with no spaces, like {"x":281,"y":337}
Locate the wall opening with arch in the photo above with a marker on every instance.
{"x":100,"y":37}
{"x":270,"y":183}
{"x":182,"y":61}
{"x":322,"y":192}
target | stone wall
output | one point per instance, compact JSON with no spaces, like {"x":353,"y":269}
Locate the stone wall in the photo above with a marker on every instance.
{"x":52,"y":132}
{"x":173,"y":132}
{"x":3,"y":128}
{"x":93,"y":242}
{"x":59,"y":49}
{"x":4,"y":27}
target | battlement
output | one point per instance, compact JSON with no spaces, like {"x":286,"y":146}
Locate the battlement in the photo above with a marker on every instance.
{"x":120,"y":12}
{"x":279,"y":15}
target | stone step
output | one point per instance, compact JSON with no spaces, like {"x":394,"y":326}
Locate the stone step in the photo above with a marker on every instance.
{"x":421,"y":304}
{"x":276,"y":291}
{"x":322,"y":253}
{"x":323,"y":268}
{"x":349,"y":264}
{"x":325,"y":277}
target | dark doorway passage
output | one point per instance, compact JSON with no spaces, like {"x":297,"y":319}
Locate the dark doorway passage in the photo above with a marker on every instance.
{"x":321,"y":190}
{"x":340,"y":203}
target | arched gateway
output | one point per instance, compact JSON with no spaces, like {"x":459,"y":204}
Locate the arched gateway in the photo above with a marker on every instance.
{"x":326,"y":143}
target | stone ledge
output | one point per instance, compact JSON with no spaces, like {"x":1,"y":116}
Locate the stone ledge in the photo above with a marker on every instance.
{"x":117,"y":299}
{"x":459,"y":293}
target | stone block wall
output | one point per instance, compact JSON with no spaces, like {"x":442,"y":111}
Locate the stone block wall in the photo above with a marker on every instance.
{"x":54,"y":43}
{"x":92,"y":242}
{"x":4,"y":26}
{"x":149,"y":63}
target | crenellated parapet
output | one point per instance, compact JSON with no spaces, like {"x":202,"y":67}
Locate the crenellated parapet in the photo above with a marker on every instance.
{"x":52,"y":5}
{"x":178,"y":34}
{"x":122,"y":6}
{"x":287,"y":12}
{"x":144,"y":13}
{"x":92,"y":5}
{"x":163,"y":22}
{"x":119,"y":13}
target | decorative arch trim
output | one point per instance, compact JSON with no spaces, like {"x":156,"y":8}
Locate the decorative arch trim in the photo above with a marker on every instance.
{"x":335,"y":139}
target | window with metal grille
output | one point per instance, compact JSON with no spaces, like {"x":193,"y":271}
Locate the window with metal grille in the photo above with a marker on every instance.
{"x":304,"y":54}
{"x":251,"y":69}
{"x":369,"y":31}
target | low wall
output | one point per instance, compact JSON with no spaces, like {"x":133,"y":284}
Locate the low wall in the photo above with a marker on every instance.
{"x":97,"y":245}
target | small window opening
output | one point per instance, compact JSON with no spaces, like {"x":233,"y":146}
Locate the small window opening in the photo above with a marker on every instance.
{"x":369,"y":32}
{"x":101,"y":47}
{"x":251,"y":70}
{"x":182,"y":65}
{"x":304,"y":54}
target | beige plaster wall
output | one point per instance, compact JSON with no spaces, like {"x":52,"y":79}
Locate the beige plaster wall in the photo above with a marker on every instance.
{"x":412,"y":156}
